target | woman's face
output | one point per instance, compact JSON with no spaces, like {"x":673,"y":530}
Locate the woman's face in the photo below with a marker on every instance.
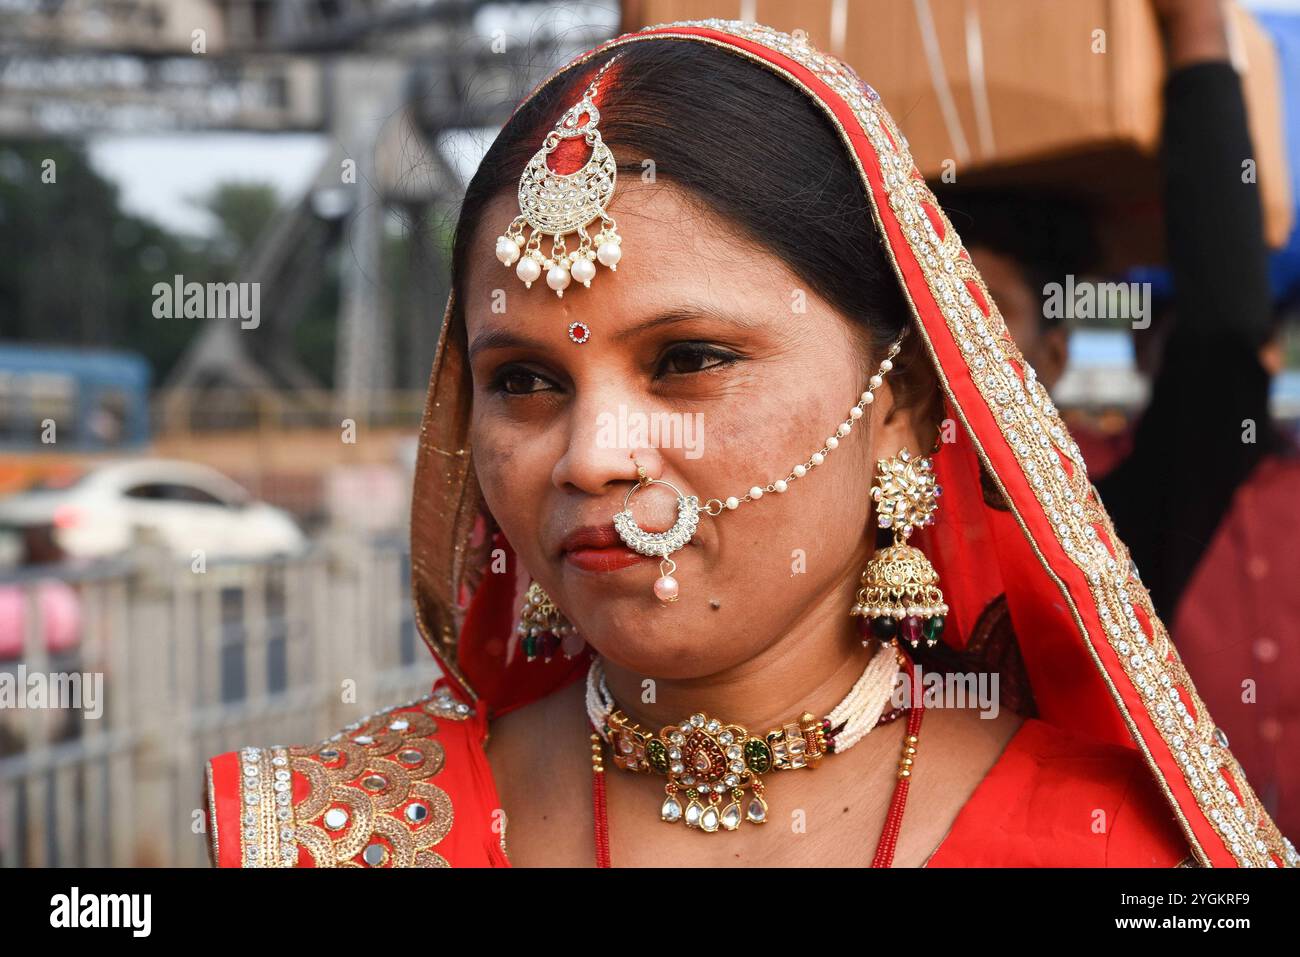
{"x":745,"y":371}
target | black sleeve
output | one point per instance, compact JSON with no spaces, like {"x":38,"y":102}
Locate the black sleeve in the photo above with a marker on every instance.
{"x":1192,"y":446}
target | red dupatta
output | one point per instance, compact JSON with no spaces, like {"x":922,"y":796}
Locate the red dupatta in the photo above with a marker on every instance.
{"x":1021,"y":517}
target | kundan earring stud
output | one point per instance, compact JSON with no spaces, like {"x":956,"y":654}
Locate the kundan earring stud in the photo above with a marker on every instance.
{"x":543,"y":628}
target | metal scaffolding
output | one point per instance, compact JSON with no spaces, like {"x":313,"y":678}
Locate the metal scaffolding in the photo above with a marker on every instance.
{"x":384,"y":80}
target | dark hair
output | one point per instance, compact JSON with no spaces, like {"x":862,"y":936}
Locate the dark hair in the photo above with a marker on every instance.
{"x":752,"y":149}
{"x":1048,"y":234}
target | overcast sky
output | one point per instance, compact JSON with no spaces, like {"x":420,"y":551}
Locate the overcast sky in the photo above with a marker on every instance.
{"x":159,"y":174}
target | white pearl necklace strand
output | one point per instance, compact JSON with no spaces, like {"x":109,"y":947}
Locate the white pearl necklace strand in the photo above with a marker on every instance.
{"x":818,"y":457}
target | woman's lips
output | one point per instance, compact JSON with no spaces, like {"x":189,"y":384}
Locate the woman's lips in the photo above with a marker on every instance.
{"x":608,"y":559}
{"x":598,"y":548}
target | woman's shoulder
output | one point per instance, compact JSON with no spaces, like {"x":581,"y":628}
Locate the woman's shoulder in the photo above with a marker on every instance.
{"x":407,"y":786}
{"x":1056,"y":798}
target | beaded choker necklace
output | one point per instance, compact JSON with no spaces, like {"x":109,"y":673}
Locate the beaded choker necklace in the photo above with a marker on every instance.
{"x":707,"y":761}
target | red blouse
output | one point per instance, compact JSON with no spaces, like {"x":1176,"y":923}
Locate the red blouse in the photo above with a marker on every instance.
{"x":1053,"y":799}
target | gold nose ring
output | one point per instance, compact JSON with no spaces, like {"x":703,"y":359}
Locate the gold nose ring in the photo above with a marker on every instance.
{"x":642,"y":476}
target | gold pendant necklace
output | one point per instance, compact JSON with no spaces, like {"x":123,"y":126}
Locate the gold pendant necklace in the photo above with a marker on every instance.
{"x":710,"y":765}
{"x":707,"y":761}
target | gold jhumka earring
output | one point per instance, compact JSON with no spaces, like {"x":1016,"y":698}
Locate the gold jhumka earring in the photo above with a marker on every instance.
{"x":544,"y":629}
{"x":900,"y":593}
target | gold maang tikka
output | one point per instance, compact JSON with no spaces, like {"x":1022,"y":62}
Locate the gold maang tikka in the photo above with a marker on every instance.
{"x":900,"y":593}
{"x":555,"y":204}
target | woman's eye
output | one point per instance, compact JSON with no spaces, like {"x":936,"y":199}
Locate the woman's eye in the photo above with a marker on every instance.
{"x":517,"y":381}
{"x":692,"y":357}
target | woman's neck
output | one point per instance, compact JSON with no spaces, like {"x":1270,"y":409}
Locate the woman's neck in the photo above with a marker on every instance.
{"x":810,"y":667}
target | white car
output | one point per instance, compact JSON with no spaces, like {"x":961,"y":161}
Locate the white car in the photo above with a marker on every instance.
{"x":183,"y":506}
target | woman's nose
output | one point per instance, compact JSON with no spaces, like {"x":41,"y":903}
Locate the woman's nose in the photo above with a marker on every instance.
{"x":600,"y":454}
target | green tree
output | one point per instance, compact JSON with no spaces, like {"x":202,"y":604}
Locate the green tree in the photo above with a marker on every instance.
{"x":242,"y":212}
{"x":74,"y":269}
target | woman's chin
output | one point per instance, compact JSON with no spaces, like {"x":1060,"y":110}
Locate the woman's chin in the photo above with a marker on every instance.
{"x":617,"y":611}
{"x":644,"y":655}
{"x":650,"y":639}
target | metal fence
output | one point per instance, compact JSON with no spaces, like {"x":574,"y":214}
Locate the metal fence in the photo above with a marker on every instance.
{"x":193,"y":663}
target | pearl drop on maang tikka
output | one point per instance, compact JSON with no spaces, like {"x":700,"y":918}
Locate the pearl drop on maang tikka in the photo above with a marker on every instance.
{"x":662,"y":544}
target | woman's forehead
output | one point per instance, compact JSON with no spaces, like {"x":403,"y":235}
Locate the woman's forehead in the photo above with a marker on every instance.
{"x":674,"y":250}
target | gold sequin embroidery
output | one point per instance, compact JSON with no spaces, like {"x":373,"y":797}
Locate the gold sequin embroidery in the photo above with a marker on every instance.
{"x":369,"y":799}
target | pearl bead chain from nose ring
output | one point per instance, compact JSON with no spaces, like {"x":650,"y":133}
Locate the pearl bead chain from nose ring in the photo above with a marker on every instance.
{"x":662,"y":544}
{"x":715,"y":506}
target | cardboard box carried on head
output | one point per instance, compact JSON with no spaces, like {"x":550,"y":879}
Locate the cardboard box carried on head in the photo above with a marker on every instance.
{"x":1040,"y":94}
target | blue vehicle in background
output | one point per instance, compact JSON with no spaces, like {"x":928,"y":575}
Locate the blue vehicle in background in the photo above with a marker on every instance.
{"x":57,"y":401}
{"x":62,"y":410}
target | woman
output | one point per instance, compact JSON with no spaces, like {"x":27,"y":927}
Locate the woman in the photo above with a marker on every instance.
{"x":769,"y":258}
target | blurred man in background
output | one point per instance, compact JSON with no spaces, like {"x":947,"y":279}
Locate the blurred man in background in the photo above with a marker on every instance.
{"x":1216,"y":552}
